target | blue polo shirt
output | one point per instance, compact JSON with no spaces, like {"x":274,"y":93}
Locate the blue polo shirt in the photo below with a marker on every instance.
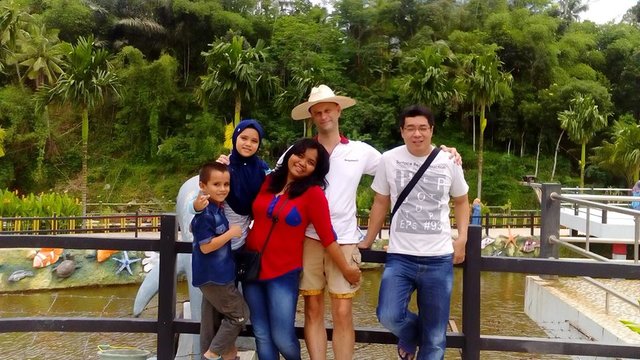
{"x":216,"y":267}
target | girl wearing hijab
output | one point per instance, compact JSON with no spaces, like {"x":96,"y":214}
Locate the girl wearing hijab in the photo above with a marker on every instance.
{"x":247,"y":171}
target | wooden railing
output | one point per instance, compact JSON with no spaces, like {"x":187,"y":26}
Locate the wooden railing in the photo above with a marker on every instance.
{"x":144,"y":222}
{"x":470,"y":340}
{"x":134,"y":222}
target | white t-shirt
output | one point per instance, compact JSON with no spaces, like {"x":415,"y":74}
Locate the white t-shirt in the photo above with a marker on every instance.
{"x":421,"y":225}
{"x":348,"y":162}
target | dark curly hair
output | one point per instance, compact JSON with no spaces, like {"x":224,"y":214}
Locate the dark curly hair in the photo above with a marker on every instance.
{"x":299,"y":186}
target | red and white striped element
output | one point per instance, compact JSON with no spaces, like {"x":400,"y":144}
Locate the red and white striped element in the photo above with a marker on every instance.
{"x":46,"y":257}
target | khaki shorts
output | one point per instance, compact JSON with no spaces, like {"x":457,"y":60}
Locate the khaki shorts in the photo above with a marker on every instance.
{"x":318,"y":270}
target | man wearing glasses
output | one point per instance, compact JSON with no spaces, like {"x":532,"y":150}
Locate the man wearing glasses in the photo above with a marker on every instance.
{"x":421,"y":254}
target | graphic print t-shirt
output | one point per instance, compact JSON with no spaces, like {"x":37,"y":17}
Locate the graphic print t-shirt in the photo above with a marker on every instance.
{"x":421,"y":225}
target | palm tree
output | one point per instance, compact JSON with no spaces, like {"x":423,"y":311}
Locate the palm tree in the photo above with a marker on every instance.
{"x":41,"y":53}
{"x":622,"y":155}
{"x":87,"y":78}
{"x":428,"y":76}
{"x":236,"y":70}
{"x":570,"y":9}
{"x":13,"y":20}
{"x":485,"y":84}
{"x":302,"y":81}
{"x":582,"y":121}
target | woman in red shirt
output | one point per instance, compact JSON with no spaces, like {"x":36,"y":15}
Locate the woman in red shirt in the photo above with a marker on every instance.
{"x":290,"y":199}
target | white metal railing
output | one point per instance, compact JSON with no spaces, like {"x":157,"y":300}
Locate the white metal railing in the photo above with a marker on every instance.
{"x":590,"y":201}
{"x":586,"y":200}
{"x":608,"y":292}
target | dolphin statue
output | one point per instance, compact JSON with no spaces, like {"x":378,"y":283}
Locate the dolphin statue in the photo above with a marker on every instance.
{"x":149,"y":287}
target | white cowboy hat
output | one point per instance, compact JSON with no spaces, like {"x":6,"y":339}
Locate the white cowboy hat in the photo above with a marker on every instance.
{"x":320,"y":94}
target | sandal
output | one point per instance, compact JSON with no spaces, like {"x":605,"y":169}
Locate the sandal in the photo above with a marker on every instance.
{"x":405,"y":355}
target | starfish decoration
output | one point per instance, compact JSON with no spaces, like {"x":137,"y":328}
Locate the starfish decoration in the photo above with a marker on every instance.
{"x":125,"y":263}
{"x":511,"y":239}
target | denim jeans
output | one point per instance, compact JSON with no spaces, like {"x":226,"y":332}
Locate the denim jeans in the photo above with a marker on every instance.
{"x":432,"y":277}
{"x":272,"y":305}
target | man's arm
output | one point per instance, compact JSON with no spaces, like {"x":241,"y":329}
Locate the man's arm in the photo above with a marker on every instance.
{"x":461,"y":212}
{"x":378,"y":214}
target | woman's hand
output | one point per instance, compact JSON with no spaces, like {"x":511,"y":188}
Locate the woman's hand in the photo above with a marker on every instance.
{"x":353,"y":275}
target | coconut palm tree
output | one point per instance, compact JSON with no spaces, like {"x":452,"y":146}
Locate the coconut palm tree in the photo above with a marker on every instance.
{"x":13,"y":20}
{"x":428,"y":78}
{"x":41,"y":53}
{"x":621,"y":156}
{"x":485,"y":84}
{"x":570,"y":9}
{"x":236,"y":70}
{"x":87,"y":78}
{"x":582,"y":121}
{"x":300,"y":85}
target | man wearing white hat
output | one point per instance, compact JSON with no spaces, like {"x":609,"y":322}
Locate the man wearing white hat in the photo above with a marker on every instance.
{"x":349,"y":161}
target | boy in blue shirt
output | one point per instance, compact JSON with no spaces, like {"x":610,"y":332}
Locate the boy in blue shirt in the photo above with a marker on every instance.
{"x":224,"y":311}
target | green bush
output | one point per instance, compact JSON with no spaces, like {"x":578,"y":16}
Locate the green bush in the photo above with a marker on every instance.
{"x":42,"y":205}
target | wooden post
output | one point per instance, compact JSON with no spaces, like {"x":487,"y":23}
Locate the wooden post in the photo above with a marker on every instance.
{"x":550,"y":223}
{"x":471,"y":295}
{"x":167,"y":287}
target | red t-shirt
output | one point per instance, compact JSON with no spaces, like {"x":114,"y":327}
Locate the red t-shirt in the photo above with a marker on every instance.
{"x":284,"y":250}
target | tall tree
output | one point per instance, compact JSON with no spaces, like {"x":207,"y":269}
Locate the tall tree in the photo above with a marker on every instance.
{"x":582,"y":121}
{"x":235,"y":70}
{"x":621,"y":156}
{"x":41,"y":53}
{"x":429,"y":76}
{"x":570,"y":9}
{"x":485,"y":83}
{"x":148,"y":88}
{"x":87,"y":78}
{"x":13,"y":21}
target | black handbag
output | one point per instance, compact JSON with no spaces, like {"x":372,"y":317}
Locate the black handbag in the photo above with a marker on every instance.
{"x":248,"y":261}
{"x":247,"y":265}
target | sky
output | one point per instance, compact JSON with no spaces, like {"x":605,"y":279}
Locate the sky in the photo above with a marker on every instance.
{"x":600,"y":11}
{"x":603,"y":11}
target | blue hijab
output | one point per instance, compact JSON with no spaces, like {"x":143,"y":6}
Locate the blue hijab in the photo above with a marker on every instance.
{"x":247,"y":173}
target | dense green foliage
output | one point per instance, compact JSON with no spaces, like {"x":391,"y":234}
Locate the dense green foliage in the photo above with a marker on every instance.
{"x":176,"y":72}
{"x":41,"y":205}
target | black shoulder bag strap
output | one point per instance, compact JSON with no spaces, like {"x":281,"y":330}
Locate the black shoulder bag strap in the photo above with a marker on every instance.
{"x":274,"y":221}
{"x":407,"y":189}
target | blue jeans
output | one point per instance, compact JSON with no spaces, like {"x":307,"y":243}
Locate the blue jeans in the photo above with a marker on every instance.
{"x":272,"y":305}
{"x":432,"y":277}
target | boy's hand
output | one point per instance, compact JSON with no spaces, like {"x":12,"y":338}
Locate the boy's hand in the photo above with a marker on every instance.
{"x":201,"y":202}
{"x":223,"y":159}
{"x":235,"y":230}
